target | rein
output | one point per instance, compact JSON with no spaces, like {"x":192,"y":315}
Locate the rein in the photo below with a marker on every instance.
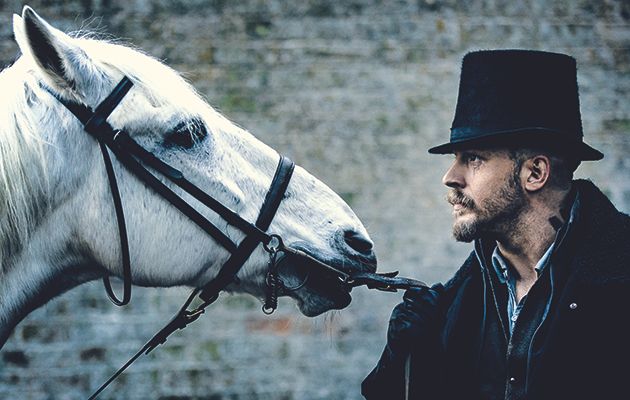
{"x":136,"y":159}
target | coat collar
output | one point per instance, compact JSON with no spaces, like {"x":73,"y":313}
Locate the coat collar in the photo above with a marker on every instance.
{"x":600,"y":240}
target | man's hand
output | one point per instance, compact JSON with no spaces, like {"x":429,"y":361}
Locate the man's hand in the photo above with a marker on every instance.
{"x":413,"y":319}
{"x":413,"y":322}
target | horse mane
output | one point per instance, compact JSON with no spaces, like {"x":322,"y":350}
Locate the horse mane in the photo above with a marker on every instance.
{"x":23,"y":178}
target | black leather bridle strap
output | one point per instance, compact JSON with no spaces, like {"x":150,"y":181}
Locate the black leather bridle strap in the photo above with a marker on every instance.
{"x":98,"y":121}
{"x":255,"y":234}
{"x":125,"y":142}
{"x":92,"y":125}
{"x":272,"y":201}
{"x":95,"y":122}
{"x":122,"y":234}
{"x":169,"y":195}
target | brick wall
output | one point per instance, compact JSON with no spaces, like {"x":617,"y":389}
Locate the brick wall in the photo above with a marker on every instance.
{"x":355,"y":91}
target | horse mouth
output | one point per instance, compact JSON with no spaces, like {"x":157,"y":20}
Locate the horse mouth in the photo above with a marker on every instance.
{"x":319,"y":289}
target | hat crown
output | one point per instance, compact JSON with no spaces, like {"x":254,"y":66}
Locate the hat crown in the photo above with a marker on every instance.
{"x":514,"y":90}
{"x":518,"y":98}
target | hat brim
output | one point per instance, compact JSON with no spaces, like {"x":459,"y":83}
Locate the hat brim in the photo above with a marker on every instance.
{"x":580,"y":150}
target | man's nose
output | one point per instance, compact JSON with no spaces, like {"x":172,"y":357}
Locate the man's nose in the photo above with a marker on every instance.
{"x":454,"y":177}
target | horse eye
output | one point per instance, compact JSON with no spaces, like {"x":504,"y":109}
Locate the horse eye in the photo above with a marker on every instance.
{"x":187,"y":133}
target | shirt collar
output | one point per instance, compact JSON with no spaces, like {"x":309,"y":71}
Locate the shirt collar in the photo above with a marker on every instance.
{"x":500,"y":264}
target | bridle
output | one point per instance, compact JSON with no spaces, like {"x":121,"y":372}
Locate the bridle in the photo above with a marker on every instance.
{"x":136,"y":159}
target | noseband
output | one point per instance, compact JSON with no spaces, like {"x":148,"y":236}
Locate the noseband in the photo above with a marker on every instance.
{"x":136,"y":159}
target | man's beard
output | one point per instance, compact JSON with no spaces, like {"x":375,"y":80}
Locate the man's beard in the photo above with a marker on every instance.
{"x":497,"y":216}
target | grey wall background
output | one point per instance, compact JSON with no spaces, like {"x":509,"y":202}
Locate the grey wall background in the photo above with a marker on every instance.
{"x":355,"y":91}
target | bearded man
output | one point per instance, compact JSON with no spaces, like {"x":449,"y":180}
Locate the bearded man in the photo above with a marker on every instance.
{"x":540,"y":310}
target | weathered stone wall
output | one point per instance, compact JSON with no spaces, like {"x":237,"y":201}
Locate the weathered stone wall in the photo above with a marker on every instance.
{"x":355,"y":91}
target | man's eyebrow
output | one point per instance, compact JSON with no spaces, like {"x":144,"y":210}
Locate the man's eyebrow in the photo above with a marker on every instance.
{"x":483,"y":152}
{"x":471,"y":152}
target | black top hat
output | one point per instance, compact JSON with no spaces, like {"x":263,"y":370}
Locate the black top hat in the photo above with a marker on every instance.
{"x":518,"y":97}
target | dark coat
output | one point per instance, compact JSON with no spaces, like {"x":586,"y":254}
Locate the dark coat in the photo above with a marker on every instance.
{"x":585,"y":351}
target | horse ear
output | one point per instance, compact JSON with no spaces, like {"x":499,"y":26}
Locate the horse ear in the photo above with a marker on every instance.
{"x":52,"y":50}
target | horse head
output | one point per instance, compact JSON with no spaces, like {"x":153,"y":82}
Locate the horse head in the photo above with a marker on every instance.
{"x":58,"y":226}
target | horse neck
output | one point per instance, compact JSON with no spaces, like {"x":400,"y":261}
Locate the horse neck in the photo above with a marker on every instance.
{"x":44,"y":268}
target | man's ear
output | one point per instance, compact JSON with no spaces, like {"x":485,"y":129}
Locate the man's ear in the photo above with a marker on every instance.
{"x":54,"y":52}
{"x":536,"y":172}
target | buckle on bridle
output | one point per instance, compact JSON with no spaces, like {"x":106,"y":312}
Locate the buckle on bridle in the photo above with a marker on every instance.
{"x":274,"y":244}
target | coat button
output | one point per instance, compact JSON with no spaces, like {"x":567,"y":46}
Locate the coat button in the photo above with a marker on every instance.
{"x":573,"y":306}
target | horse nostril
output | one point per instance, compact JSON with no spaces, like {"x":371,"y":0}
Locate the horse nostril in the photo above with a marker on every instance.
{"x":358,"y":242}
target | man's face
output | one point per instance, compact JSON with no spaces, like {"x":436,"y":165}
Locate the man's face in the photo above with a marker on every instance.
{"x":486,"y":193}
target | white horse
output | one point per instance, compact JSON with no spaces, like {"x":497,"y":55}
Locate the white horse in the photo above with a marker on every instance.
{"x":57,"y":222}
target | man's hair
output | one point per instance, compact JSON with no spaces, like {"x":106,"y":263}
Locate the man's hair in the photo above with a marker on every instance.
{"x":562,"y":165}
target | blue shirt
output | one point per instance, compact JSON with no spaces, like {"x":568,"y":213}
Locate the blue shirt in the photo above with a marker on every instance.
{"x":506,"y":275}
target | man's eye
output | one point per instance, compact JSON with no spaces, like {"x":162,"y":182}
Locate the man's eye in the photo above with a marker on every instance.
{"x":472,"y":159}
{"x":187,"y":133}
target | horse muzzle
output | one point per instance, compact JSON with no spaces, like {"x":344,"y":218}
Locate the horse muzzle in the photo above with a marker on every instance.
{"x":297,"y":272}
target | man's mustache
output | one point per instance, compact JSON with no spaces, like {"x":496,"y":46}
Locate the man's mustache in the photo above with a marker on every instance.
{"x":457,"y":197}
